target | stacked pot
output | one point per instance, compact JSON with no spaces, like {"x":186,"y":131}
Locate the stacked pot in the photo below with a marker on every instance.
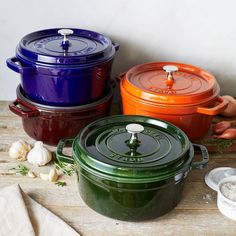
{"x":65,"y":81}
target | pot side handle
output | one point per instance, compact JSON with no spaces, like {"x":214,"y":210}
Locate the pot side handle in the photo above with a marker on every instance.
{"x":14,"y":64}
{"x":120,"y":77}
{"x":205,"y":157}
{"x":116,"y":45}
{"x":29,"y":112}
{"x":214,"y":110}
{"x":61,"y":157}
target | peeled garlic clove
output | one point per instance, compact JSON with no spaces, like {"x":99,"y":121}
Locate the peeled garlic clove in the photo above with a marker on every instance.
{"x":39,"y":155}
{"x":43,"y":176}
{"x":53,"y":176}
{"x":19,"y":150}
{"x":31,"y":174}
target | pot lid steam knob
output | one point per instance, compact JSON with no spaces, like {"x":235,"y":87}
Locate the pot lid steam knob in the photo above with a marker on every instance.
{"x":134,"y":129}
{"x":65,"y":32}
{"x":170,"y":70}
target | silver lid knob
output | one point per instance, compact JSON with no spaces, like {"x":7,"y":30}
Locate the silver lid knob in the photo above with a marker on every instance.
{"x":170,"y":70}
{"x":65,"y":33}
{"x":134,"y":130}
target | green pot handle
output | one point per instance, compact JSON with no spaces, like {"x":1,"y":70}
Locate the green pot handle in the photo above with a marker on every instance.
{"x":205,"y":156}
{"x":59,"y":152}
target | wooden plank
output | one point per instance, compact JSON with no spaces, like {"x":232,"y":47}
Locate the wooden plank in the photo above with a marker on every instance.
{"x":4,"y":111}
{"x":177,"y":222}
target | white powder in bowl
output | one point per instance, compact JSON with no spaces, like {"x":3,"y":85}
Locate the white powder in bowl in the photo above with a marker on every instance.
{"x":228,"y":189}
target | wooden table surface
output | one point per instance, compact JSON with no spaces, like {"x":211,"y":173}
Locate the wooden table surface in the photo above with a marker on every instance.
{"x":196,"y":214}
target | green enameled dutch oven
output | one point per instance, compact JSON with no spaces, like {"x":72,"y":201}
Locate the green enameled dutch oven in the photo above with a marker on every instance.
{"x":131,"y":167}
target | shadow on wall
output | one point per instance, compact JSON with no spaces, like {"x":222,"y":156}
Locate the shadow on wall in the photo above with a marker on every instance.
{"x":226,"y":82}
{"x":128,"y":55}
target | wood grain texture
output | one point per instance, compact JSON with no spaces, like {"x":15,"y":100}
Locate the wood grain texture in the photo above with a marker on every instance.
{"x":196,"y":214}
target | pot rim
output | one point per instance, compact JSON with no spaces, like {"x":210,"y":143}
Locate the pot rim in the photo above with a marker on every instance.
{"x":171,"y":99}
{"x":104,"y":52}
{"x":49,"y":66}
{"x":180,"y":173}
{"x":177,"y":109}
{"x":64,"y":109}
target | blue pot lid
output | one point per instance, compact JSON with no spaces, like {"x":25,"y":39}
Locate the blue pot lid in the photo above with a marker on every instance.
{"x":65,"y":46}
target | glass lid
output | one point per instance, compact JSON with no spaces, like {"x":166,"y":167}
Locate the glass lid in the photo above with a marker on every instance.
{"x":131,"y":146}
{"x":170,"y":82}
{"x":65,"y":46}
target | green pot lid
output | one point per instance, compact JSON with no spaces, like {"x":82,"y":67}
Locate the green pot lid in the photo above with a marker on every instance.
{"x":132,"y":147}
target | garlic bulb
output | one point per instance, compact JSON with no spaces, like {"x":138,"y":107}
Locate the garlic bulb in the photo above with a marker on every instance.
{"x":39,"y":155}
{"x":43,"y":176}
{"x":31,"y":174}
{"x":52,"y":176}
{"x":19,"y":150}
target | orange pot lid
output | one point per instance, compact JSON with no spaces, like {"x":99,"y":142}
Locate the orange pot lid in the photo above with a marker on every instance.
{"x":170,"y":83}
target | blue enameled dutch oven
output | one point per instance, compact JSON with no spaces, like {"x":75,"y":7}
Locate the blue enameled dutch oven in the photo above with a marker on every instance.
{"x":64,"y":67}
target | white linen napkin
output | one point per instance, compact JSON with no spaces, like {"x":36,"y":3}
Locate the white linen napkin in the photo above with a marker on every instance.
{"x":20,"y":215}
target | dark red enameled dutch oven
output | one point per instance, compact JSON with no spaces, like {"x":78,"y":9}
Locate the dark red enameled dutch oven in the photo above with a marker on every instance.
{"x":50,"y":124}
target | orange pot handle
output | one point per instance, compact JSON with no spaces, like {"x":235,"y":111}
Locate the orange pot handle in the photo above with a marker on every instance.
{"x":214,"y":110}
{"x":120,"y":77}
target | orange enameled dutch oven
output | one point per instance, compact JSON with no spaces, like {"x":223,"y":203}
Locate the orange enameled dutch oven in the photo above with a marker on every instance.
{"x":184,"y":95}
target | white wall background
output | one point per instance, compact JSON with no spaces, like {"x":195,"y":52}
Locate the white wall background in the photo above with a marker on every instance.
{"x":201,"y":33}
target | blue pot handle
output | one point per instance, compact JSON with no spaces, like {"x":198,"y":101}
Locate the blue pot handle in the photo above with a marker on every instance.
{"x":205,"y":157}
{"x":14,"y":64}
{"x":116,"y":45}
{"x":59,"y":152}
